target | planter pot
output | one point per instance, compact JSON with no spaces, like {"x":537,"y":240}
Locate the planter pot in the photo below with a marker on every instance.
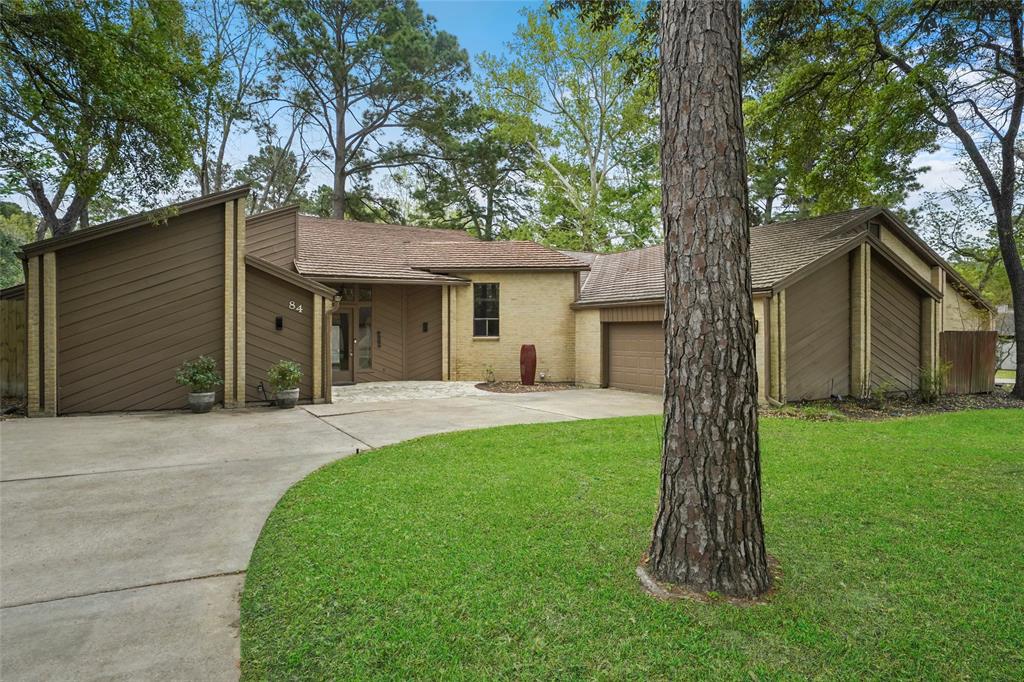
{"x":287,"y":398}
{"x":201,"y":402}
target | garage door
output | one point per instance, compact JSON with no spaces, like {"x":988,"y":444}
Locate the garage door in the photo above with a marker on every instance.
{"x":636,"y":356}
{"x":895,"y":329}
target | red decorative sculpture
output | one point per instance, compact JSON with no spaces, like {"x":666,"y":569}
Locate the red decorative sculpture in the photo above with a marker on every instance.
{"x":527,"y":364}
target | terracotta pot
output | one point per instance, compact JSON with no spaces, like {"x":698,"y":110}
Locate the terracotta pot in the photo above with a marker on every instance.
{"x":527,"y":364}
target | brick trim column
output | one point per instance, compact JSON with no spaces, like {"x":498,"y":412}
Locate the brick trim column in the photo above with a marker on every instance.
{"x":860,"y":321}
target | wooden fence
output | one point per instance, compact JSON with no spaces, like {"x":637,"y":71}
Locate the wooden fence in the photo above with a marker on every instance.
{"x":12,"y":346}
{"x":972,"y":360}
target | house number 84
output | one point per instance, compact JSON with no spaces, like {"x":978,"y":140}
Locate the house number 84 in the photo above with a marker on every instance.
{"x":292,"y":306}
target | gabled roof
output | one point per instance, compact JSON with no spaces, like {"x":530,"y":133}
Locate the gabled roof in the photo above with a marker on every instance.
{"x":780,"y":253}
{"x":152,"y":217}
{"x":333,"y":249}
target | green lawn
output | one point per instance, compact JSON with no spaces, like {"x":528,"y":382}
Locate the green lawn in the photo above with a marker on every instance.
{"x":510,"y":553}
{"x":1005,"y":374}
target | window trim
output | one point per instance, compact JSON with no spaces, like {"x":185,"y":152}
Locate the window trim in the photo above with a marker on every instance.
{"x":487,"y":320}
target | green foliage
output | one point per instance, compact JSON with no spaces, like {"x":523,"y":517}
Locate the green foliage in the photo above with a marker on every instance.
{"x":593,"y":132}
{"x":94,"y":97}
{"x":510,"y":553}
{"x":17,"y":228}
{"x":275,"y":176}
{"x":358,"y":73}
{"x":284,"y":375}
{"x":200,"y":375}
{"x":933,"y":382}
{"x":472,"y":176}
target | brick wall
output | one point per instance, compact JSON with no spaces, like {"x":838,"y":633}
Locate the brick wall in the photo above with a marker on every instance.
{"x":588,"y":347}
{"x":761,"y":357}
{"x":533,"y":308}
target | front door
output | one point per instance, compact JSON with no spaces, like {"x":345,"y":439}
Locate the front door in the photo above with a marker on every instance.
{"x":342,"y":347}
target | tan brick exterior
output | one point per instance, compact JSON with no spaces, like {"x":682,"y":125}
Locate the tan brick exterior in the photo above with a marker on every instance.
{"x":589,"y":353}
{"x":959,"y":315}
{"x":761,"y":347}
{"x":534,"y":307}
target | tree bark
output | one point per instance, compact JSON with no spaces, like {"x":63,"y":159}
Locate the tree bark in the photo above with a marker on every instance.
{"x":708,"y":534}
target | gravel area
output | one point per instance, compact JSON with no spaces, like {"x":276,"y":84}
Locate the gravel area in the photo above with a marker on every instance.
{"x":516,"y":387}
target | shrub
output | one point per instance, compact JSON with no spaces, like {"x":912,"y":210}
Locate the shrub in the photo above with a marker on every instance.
{"x":933,"y":382}
{"x":200,"y":375}
{"x":880,"y":393}
{"x":284,"y":375}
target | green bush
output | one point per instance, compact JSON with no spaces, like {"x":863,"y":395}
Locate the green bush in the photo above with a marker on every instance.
{"x":200,"y":375}
{"x":933,"y":382}
{"x":284,"y":375}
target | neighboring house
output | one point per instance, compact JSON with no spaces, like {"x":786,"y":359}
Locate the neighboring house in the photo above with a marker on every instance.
{"x":1006,"y":352}
{"x":841,"y":302}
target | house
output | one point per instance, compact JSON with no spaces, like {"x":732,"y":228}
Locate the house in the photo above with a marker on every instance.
{"x":842,"y":302}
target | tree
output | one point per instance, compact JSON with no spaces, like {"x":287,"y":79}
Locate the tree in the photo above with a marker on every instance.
{"x":94,"y":95}
{"x":472,"y":177}
{"x":17,"y":228}
{"x":593,"y":130}
{"x":958,"y":223}
{"x":361,"y":71}
{"x":943,"y":70}
{"x":275,"y":176}
{"x":708,"y":534}
{"x":237,"y":84}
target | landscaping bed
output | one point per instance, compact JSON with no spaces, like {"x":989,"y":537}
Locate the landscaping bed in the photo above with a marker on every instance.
{"x":895,"y":406}
{"x":510,"y":553}
{"x":516,"y":387}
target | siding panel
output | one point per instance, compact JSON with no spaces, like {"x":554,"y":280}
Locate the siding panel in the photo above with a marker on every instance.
{"x":818,"y":333}
{"x":116,"y":300}
{"x":272,"y":237}
{"x":423,"y":349}
{"x":895,"y":329}
{"x":267,"y":297}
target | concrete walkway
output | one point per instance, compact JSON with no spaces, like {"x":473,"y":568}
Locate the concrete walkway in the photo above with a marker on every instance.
{"x":124,"y":538}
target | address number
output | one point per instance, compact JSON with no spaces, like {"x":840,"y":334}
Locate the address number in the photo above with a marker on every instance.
{"x":294,"y":306}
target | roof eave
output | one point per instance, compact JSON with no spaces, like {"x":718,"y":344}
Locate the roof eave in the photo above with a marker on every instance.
{"x":133,"y":221}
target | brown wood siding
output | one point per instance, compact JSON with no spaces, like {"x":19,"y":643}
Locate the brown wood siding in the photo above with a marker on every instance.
{"x":386,"y":358}
{"x":266,"y":298}
{"x":13,"y":370}
{"x":971,"y":357}
{"x":423,"y":348}
{"x":135,"y":305}
{"x":818,"y":333}
{"x":636,"y":356}
{"x":895,"y":329}
{"x":639,"y":313}
{"x":272,"y":238}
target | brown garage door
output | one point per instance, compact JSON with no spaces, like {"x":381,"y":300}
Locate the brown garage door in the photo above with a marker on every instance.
{"x":895,"y":329}
{"x":636,"y":356}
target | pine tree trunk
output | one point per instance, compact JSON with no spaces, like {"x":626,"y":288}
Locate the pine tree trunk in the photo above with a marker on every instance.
{"x":708,"y":534}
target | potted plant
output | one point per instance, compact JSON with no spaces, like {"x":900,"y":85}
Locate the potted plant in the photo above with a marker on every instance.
{"x":284,"y":377}
{"x":201,"y":377}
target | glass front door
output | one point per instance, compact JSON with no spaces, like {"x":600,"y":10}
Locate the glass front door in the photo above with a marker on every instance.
{"x":341,"y":348}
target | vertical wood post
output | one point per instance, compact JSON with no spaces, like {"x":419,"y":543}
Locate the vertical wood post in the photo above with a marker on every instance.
{"x":318,"y":335}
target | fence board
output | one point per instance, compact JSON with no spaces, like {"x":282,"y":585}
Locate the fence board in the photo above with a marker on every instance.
{"x":12,"y":347}
{"x":972,"y":360}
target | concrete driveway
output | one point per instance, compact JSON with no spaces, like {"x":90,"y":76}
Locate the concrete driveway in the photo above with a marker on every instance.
{"x":124,"y":538}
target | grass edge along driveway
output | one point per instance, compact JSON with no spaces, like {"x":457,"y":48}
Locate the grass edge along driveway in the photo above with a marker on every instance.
{"x":509,"y":553}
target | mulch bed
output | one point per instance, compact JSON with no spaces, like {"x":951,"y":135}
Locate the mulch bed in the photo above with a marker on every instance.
{"x":896,"y":406}
{"x":516,"y":387}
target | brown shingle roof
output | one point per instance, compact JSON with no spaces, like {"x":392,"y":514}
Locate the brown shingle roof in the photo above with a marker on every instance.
{"x":776,"y":251}
{"x":346,"y":249}
{"x":500,"y":255}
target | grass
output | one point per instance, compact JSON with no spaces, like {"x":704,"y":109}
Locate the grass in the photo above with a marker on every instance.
{"x":509,"y":553}
{"x":1005,"y":374}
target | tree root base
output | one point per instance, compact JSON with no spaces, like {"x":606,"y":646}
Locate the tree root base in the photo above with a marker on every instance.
{"x":673,"y":592}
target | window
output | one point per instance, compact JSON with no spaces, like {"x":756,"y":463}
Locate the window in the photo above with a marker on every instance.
{"x":364,"y":336}
{"x":485,"y":310}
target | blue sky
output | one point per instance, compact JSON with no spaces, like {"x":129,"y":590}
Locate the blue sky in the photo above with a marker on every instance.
{"x":480,"y":25}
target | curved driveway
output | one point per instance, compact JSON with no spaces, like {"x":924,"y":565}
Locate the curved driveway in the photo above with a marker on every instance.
{"x":124,"y":538}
